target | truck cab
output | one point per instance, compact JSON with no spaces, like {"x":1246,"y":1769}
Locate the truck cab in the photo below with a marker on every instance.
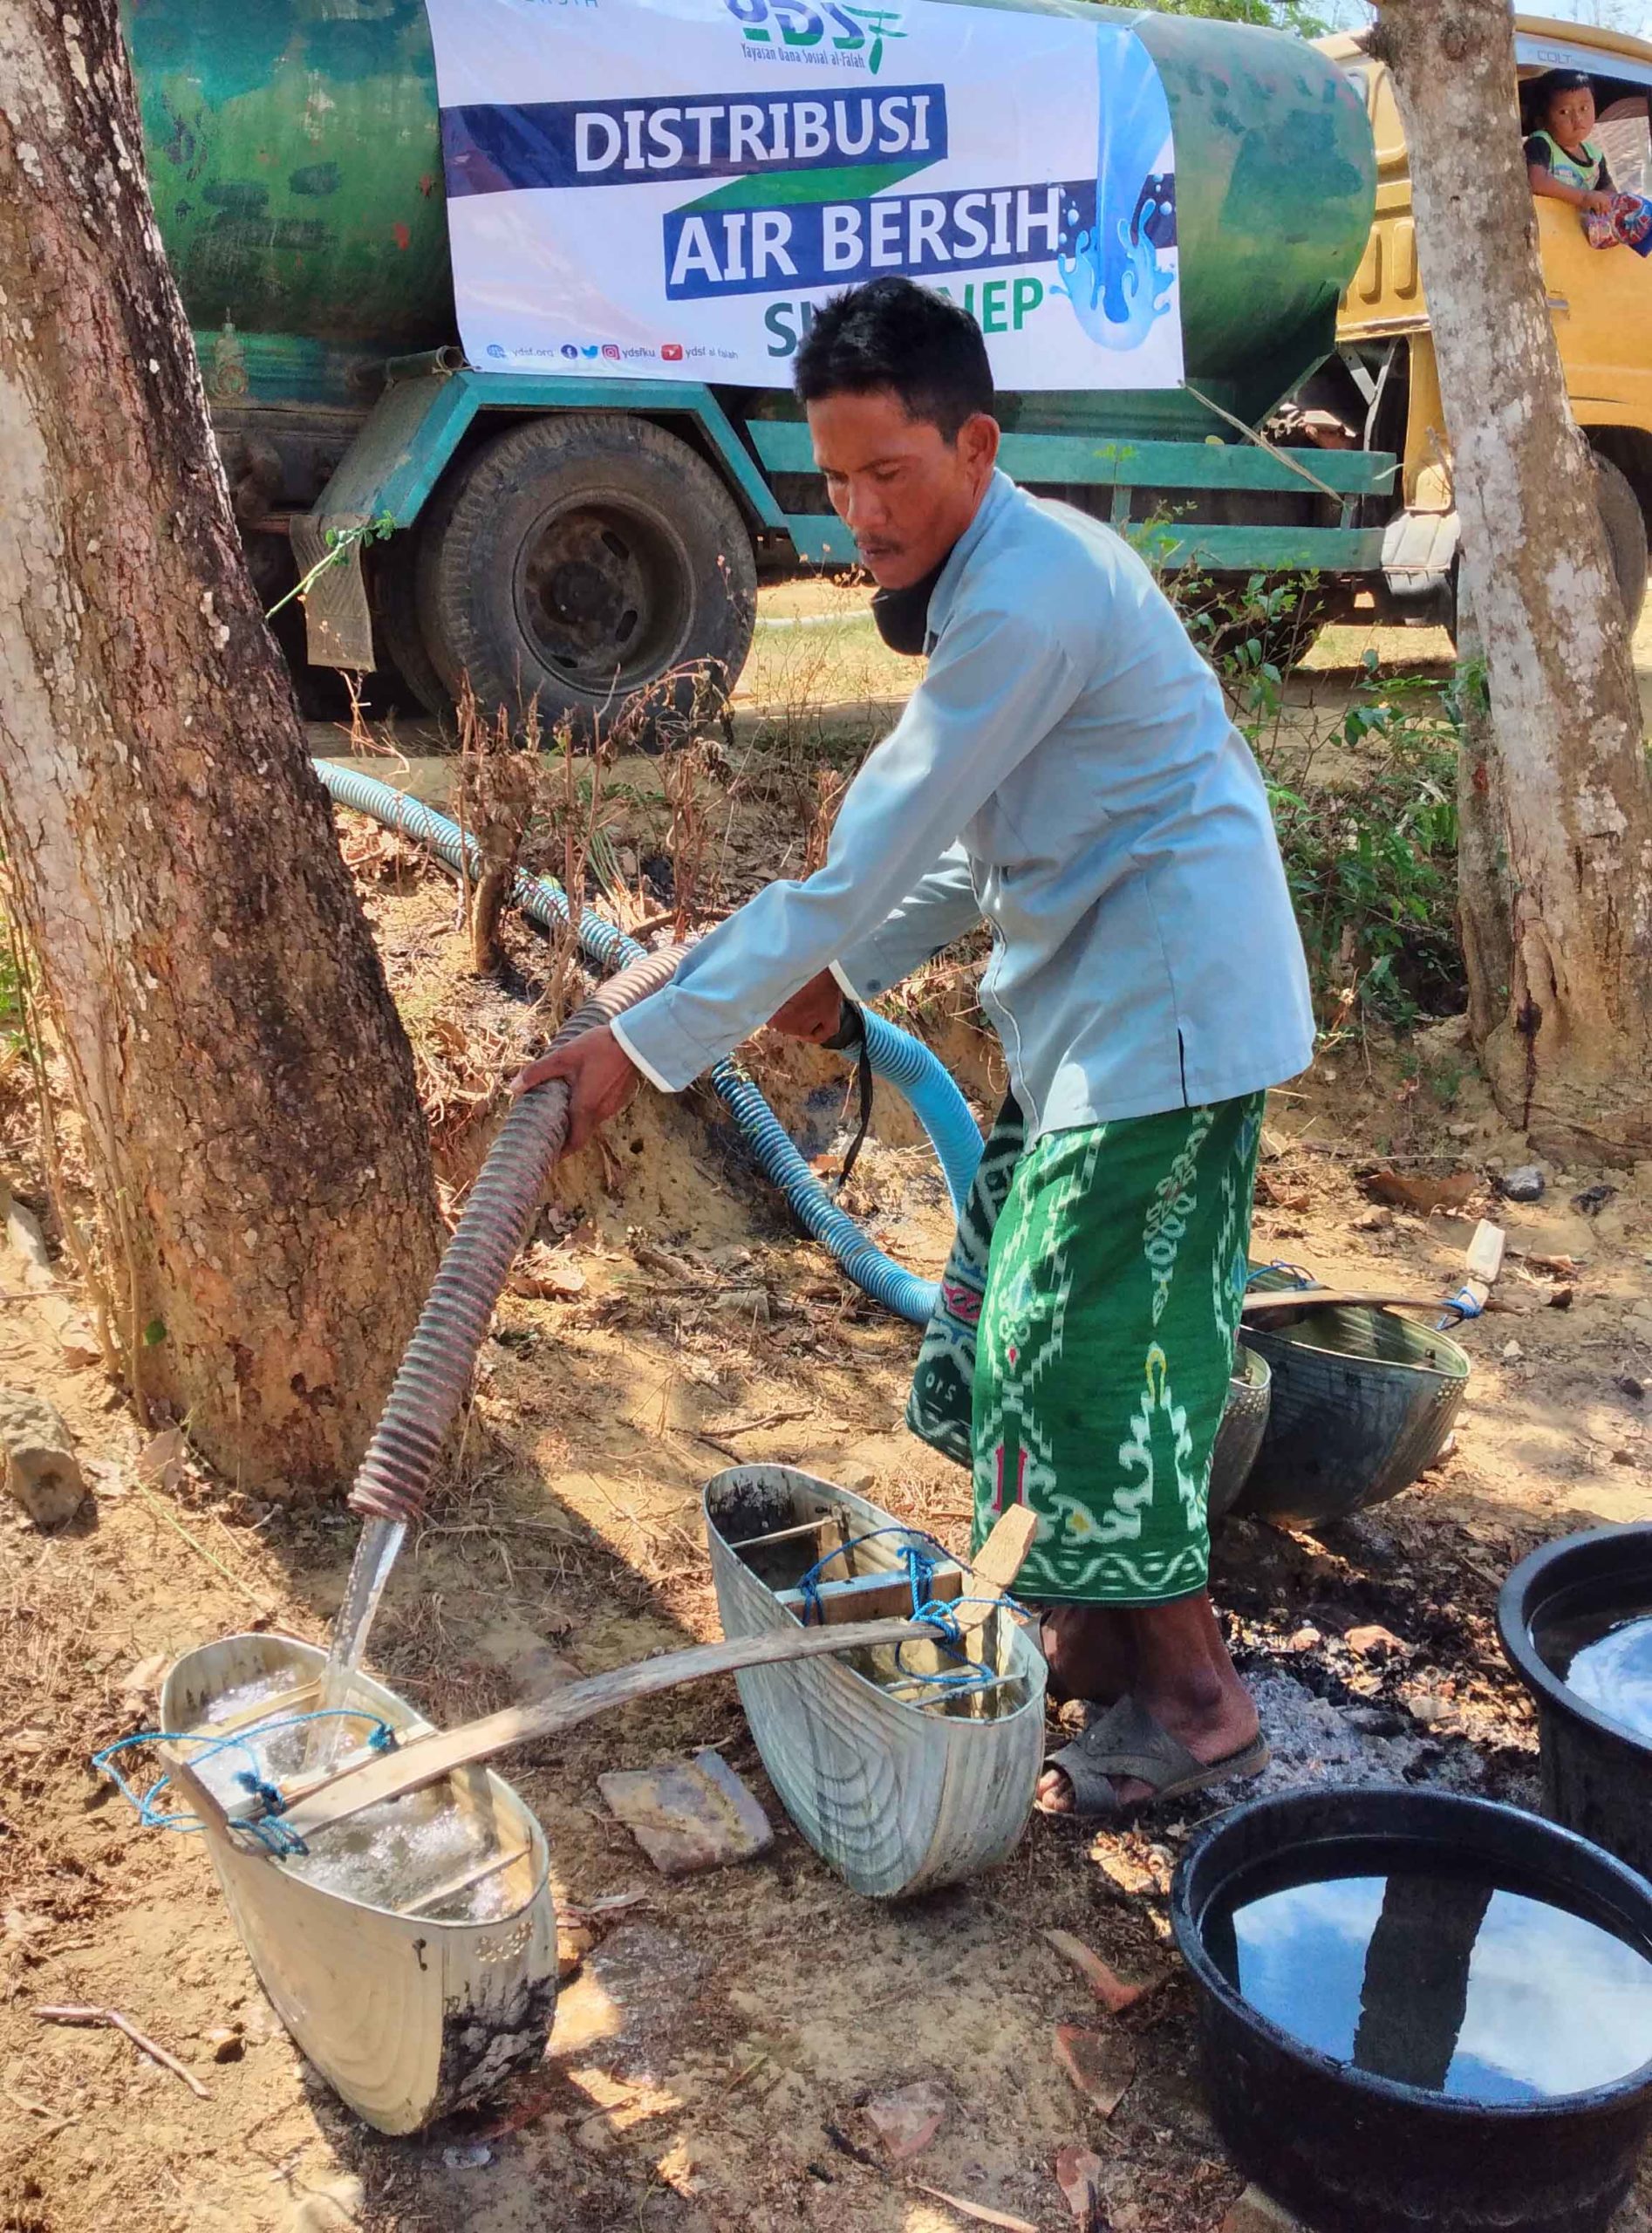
{"x":1382,"y":387}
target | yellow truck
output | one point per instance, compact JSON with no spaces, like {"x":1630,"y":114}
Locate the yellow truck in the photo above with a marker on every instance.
{"x":1381,"y":388}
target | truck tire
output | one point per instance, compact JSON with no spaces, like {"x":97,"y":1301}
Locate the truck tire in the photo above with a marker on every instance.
{"x":1626,"y":540}
{"x":393,"y":575}
{"x":1625,"y":525}
{"x":593,"y":564}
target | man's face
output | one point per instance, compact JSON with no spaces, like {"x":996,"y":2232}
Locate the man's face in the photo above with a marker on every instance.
{"x":1572,"y":116}
{"x":903,"y":491}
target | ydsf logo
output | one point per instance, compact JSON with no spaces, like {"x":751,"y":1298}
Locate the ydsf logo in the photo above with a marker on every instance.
{"x":838,"y":31}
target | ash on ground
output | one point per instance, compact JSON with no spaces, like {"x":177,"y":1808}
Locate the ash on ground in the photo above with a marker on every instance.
{"x":1315,"y":1740}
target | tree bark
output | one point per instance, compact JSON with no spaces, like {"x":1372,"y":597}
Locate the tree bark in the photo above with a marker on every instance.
{"x":1566,"y":1040}
{"x":255,"y":1137}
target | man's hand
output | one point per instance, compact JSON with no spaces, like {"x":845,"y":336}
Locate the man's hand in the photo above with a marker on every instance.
{"x":813,"y":1014}
{"x":600,"y":1076}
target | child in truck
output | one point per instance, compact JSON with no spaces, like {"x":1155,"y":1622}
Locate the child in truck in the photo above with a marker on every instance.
{"x":1564,"y":164}
{"x":1561,"y":161}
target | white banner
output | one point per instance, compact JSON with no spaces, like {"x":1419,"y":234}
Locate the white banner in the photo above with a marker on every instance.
{"x":669,"y":189}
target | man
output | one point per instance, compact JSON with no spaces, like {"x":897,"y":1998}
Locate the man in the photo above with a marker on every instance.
{"x":1067,"y":770}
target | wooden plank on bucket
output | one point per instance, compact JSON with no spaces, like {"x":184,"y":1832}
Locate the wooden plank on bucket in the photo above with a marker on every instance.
{"x":336,"y":1798}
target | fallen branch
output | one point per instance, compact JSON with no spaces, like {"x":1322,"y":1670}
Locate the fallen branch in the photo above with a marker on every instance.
{"x":115,"y":2021}
{"x":755,"y":1425}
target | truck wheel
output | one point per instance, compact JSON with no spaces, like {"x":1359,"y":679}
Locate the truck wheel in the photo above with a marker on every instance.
{"x":587,"y":563}
{"x":1625,"y":524}
{"x":392,"y":571}
{"x":1626,"y":539}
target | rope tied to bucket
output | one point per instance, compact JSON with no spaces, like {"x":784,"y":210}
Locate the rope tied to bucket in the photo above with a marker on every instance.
{"x":265,"y":1828}
{"x":919,"y":1554}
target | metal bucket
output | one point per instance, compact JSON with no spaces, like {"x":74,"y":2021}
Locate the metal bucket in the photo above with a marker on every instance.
{"x":1239,"y":1436}
{"x":1362,"y":1400}
{"x":406,"y":2017}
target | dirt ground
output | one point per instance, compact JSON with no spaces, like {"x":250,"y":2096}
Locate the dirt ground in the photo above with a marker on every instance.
{"x":711,"y":2063}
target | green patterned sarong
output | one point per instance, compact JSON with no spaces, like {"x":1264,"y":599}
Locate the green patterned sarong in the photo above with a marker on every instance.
{"x":1079,"y":1355}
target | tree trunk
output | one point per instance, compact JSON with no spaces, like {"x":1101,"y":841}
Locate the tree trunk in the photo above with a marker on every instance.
{"x":1485,"y":894}
{"x":262,"y":1162}
{"x":1566,"y":1040}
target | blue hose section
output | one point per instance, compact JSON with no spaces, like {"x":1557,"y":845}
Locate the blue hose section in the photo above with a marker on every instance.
{"x":895,"y":1056}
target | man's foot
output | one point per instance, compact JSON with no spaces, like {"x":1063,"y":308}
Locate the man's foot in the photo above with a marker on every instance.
{"x":1090,"y":1651}
{"x":1229,"y":1734}
{"x":1178,"y":1674}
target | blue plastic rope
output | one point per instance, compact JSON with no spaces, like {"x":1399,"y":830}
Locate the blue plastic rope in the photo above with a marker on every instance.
{"x":895,"y":1056}
{"x":381,"y":1737}
{"x":935,"y":1612}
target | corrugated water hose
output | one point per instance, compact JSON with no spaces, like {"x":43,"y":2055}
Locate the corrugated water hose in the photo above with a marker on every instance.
{"x":895,"y":1056}
{"x":435,"y":1371}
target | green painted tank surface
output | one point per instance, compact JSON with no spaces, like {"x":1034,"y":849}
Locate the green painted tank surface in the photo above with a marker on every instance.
{"x":294,"y":151}
{"x":295,"y":158}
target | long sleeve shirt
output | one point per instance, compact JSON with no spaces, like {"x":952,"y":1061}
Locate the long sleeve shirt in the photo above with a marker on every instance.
{"x":1067,"y":769}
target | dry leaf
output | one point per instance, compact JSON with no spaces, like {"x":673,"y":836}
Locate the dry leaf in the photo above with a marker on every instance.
{"x":1422,"y":1196}
{"x":161,"y":1458}
{"x":1100,"y":2066}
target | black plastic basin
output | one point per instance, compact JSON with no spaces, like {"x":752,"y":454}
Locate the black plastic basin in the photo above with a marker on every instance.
{"x":1352,"y":2152}
{"x":1597,"y":1775}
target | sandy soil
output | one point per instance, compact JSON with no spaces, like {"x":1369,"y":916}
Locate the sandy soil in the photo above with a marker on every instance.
{"x":710,"y":2064}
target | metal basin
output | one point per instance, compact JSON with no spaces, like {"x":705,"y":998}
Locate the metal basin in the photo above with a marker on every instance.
{"x":1239,"y":1436}
{"x":1362,"y":1400}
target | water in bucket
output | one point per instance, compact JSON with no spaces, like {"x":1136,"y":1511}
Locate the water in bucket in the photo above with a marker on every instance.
{"x":1449,"y":1980}
{"x":1607,"y":1660}
{"x":406,"y":1854}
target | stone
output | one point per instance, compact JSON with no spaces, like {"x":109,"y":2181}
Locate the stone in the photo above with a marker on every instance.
{"x":1079,"y":2175}
{"x":907,"y":2120}
{"x":1511,"y":1353}
{"x":225,"y":2043}
{"x":1524,"y":1184}
{"x":1594,"y":1198}
{"x":1373,"y":1643}
{"x":20,"y":1230}
{"x":1116,"y":1993}
{"x":1304,"y":1639}
{"x":332,"y":2207}
{"x":1256,"y":2212}
{"x":688,"y":1815}
{"x":42,"y":1473}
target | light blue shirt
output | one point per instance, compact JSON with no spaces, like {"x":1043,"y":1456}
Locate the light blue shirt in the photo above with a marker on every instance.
{"x":1068,"y":769}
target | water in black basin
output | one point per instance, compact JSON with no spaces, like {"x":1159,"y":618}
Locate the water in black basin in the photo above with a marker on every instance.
{"x":1441,"y":1980}
{"x":1608,"y":1661}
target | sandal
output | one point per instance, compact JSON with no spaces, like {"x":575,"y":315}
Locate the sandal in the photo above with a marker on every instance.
{"x":1127,"y":1741}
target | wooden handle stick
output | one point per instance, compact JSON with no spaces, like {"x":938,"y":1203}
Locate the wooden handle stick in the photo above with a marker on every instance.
{"x":425,"y":1759}
{"x":390,"y":1775}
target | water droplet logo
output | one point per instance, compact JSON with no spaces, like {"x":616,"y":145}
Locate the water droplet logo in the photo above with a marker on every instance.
{"x":1112,"y":275}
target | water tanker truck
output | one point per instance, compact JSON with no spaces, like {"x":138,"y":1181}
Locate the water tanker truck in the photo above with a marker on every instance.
{"x":585,"y":535}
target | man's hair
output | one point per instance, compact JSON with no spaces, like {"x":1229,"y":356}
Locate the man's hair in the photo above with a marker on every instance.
{"x":893,"y":335}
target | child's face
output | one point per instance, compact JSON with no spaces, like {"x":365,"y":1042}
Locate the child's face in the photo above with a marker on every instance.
{"x":1572,"y":116}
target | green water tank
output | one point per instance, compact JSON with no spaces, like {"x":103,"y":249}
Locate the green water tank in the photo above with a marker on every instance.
{"x":295,"y":157}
